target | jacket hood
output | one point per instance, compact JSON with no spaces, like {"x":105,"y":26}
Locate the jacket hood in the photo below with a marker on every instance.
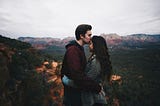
{"x":74,"y":43}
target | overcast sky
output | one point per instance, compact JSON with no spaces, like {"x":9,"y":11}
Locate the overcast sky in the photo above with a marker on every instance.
{"x":59,"y":18}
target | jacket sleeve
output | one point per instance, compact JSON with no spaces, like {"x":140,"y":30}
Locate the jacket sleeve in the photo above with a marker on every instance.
{"x":76,"y":72}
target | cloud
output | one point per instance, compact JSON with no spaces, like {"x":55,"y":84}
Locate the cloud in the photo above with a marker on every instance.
{"x":58,"y":18}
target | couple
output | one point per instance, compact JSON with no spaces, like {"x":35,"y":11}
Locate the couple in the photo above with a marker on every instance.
{"x":83,"y":81}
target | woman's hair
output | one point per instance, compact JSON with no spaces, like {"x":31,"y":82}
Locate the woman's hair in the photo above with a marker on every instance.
{"x":100,"y":49}
{"x":82,"y":29}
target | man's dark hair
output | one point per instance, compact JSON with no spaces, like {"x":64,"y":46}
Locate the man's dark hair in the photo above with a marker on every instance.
{"x":82,"y":29}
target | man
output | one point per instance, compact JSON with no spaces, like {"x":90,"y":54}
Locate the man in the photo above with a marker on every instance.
{"x":73,"y":67}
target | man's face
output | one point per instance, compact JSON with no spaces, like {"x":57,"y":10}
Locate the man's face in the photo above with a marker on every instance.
{"x":87,"y":38}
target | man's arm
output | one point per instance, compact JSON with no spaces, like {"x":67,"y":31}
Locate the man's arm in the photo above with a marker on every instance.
{"x":76,"y":72}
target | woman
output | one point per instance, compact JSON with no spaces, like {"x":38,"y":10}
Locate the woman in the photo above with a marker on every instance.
{"x":99,"y":69}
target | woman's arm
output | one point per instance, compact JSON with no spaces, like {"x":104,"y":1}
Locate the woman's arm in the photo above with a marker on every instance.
{"x":68,"y":81}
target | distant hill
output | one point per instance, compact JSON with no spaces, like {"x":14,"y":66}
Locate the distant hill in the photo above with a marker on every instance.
{"x":41,"y":43}
{"x":112,"y":40}
{"x":53,"y":47}
{"x":56,"y":46}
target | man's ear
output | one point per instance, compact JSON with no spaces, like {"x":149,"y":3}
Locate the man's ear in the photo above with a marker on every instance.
{"x":81,"y":36}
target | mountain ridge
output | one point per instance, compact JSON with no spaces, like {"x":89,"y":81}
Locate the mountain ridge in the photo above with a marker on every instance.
{"x":111,"y":39}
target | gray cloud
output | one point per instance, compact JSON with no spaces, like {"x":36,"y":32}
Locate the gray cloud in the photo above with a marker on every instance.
{"x":58,"y":18}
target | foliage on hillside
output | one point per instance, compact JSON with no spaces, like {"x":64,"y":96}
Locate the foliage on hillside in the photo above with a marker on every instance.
{"x":14,"y":44}
{"x":54,"y":52}
{"x":137,"y":64}
{"x":20,"y":84}
{"x":140,"y":71}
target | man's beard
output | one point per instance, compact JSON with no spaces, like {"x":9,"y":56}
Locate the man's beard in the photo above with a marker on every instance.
{"x":85,"y":42}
